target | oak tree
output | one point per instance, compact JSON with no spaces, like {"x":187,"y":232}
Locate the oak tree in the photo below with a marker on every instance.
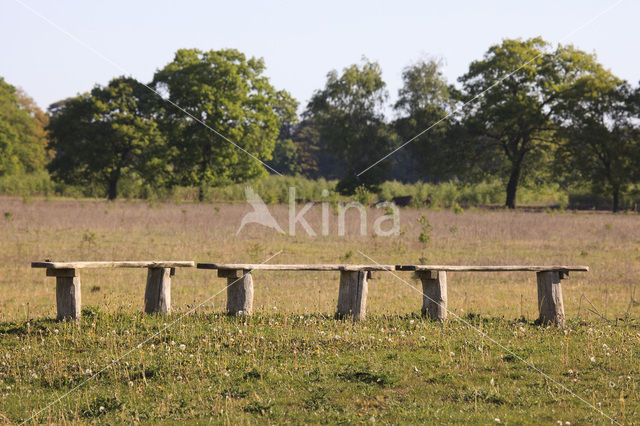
{"x":107,"y":134}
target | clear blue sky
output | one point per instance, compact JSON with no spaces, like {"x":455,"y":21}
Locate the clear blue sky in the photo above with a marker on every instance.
{"x":299,"y":40}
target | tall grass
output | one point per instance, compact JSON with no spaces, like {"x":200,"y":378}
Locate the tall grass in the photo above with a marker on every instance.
{"x":275,"y":190}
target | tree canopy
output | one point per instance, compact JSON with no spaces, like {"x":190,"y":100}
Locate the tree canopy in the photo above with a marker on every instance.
{"x":512,"y":95}
{"x":107,"y":134}
{"x":423,"y":101}
{"x":23,"y":139}
{"x":348,"y":113}
{"x":601,"y":134}
{"x":229,"y":94}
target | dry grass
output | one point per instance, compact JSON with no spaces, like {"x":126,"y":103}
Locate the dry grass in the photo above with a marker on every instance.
{"x":96,"y":230}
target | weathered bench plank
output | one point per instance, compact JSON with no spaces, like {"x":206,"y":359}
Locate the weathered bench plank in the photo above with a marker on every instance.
{"x":491,"y":268}
{"x":550,"y":304}
{"x":352,"y":295}
{"x":434,"y":294}
{"x":157,"y":295}
{"x":284,"y":267}
{"x":240,"y":293}
{"x":68,"y":297}
{"x":115,"y":264}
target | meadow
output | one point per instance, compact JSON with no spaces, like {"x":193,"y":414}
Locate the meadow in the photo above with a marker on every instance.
{"x":291,"y":361}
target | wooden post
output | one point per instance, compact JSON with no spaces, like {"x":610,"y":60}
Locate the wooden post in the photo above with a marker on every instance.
{"x":550,"y":303}
{"x":434,"y":294}
{"x":157,"y":296}
{"x":239,"y":291}
{"x":68,"y":294}
{"x":352,"y":295}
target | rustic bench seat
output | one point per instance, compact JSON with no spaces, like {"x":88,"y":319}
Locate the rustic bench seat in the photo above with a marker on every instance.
{"x":352,"y":295}
{"x":157,"y":296}
{"x":353,"y":285}
{"x":550,"y":304}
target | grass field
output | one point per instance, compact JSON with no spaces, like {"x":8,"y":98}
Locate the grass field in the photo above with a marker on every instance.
{"x":292,"y":362}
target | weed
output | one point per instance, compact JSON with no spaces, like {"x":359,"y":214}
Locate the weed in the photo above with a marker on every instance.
{"x":425,"y":230}
{"x":259,"y":407}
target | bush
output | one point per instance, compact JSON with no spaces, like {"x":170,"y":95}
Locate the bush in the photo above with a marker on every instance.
{"x":38,"y":183}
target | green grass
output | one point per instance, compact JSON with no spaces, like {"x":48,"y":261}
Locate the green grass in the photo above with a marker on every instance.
{"x":311,"y":368}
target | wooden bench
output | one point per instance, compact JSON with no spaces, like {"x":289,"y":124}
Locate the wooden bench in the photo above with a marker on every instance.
{"x":550,"y":305}
{"x":157,"y":297}
{"x":352,"y":294}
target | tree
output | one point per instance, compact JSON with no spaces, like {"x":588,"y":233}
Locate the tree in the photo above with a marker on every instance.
{"x":285,"y":153}
{"x":511,"y":95}
{"x":423,"y":101}
{"x":601,"y":135}
{"x":285,"y":157}
{"x":229,"y":94}
{"x":107,"y":134}
{"x":22,"y":136}
{"x":348,"y":116}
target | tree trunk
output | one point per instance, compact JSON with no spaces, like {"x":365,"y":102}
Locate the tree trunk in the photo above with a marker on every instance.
{"x":512,"y":186}
{"x":616,"y":199}
{"x":112,"y":193}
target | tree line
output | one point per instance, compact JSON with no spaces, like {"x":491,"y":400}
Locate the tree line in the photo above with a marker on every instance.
{"x":526,"y":113}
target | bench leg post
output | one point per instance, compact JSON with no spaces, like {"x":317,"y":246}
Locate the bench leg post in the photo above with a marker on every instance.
{"x":68,"y":297}
{"x":550,"y":303}
{"x":434,"y":294}
{"x":240,"y":293}
{"x":352,"y":295}
{"x":157,"y":296}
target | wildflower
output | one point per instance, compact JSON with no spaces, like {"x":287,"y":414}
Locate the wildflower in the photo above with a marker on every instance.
{"x":497,"y":420}
{"x":182,"y":347}
{"x":130,"y":384}
{"x":592,"y":359}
